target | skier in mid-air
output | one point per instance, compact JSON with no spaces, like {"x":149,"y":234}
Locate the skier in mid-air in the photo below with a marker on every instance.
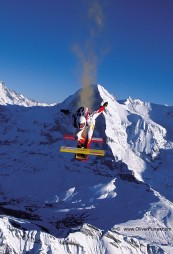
{"x":84,"y":122}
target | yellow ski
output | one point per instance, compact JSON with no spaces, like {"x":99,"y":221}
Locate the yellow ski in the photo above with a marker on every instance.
{"x":67,"y":149}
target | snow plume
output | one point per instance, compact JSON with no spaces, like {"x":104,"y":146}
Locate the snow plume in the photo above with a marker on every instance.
{"x":87,"y":54}
{"x":88,"y":64}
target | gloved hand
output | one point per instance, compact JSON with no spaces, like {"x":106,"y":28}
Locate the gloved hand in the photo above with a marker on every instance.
{"x":105,"y":104}
{"x":65,"y":111}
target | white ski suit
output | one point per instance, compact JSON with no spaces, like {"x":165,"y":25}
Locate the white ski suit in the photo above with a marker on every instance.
{"x":84,"y":136}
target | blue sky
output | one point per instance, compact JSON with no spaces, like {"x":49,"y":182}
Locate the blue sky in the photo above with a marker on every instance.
{"x":134,"y":48}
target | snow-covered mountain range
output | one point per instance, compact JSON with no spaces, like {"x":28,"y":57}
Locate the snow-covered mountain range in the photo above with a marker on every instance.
{"x":8,"y":96}
{"x":120,"y":203}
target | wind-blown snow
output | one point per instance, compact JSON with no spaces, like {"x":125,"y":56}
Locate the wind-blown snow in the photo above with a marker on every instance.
{"x":50,"y":203}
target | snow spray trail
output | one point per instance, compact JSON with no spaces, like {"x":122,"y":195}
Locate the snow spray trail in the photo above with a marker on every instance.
{"x":87,"y":54}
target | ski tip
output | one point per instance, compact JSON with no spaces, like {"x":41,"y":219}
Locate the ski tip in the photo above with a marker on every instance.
{"x":95,"y":152}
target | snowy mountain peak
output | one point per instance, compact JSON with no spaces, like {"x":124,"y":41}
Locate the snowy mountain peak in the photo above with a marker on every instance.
{"x":8,"y":96}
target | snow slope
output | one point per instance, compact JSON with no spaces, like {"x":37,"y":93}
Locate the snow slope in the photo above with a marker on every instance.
{"x":121,"y":203}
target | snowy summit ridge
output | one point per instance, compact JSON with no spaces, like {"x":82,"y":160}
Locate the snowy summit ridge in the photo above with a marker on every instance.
{"x":8,"y":96}
{"x":121,"y":203}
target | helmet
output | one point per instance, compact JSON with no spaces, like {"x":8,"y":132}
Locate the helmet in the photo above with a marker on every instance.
{"x":81,"y":122}
{"x":81,"y":117}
